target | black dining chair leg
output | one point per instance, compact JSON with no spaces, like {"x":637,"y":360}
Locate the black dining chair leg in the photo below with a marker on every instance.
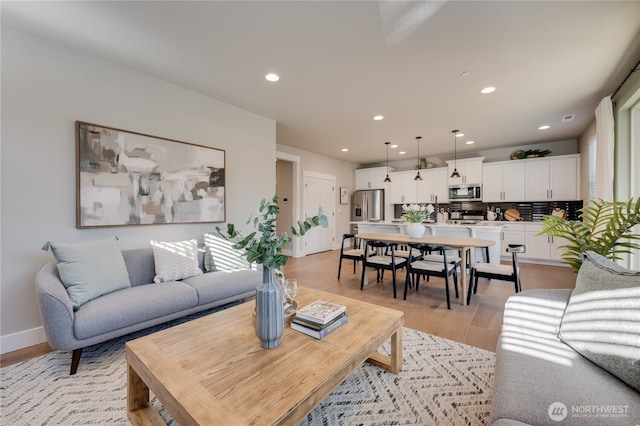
{"x":446,"y":286}
{"x":455,"y":284}
{"x":406,"y":285}
{"x":471,"y":274}
{"x":393,"y":270}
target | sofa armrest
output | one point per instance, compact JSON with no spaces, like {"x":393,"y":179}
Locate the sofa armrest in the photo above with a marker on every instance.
{"x":535,"y":312}
{"x":56,"y":308}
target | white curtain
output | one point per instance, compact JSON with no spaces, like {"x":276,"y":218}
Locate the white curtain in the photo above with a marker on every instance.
{"x":604,"y":156}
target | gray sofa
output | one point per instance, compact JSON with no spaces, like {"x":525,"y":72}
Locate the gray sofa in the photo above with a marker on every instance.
{"x":539,"y":377}
{"x":143,"y":305}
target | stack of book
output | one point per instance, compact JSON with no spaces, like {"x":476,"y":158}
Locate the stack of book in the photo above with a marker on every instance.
{"x":319,"y":318}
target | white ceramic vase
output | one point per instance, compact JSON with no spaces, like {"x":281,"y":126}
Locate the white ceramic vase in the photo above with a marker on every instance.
{"x":415,"y":230}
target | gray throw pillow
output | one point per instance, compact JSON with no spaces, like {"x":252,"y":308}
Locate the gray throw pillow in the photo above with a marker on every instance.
{"x":89,"y":270}
{"x":602,"y":319}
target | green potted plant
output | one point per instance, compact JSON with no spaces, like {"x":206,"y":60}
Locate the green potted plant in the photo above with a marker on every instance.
{"x":264,"y":246}
{"x":604,"y":227}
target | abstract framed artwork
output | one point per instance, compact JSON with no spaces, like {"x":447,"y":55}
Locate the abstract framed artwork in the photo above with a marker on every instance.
{"x":126,"y":178}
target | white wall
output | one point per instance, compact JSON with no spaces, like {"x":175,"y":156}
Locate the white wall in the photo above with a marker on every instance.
{"x":45,"y":89}
{"x":342,"y":170}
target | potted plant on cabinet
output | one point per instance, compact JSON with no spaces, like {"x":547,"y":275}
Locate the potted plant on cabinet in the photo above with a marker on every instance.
{"x":264,"y":246}
{"x":604,"y":227}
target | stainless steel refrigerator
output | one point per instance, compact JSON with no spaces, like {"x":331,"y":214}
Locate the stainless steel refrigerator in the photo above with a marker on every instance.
{"x":368,"y":205}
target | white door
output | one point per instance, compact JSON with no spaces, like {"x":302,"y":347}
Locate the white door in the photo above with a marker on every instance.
{"x":319,"y":192}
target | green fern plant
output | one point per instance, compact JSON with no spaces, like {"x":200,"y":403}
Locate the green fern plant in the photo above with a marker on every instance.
{"x":605,"y":228}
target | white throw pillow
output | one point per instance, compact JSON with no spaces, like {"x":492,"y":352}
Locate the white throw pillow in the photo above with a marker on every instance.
{"x":221,"y":256}
{"x":175,"y":260}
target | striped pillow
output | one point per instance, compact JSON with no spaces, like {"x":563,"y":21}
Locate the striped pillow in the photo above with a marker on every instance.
{"x":175,"y":260}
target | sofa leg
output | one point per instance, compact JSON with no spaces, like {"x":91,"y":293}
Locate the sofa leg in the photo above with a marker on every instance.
{"x":75,"y":360}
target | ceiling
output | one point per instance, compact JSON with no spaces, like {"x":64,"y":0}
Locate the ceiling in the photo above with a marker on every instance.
{"x":340,"y":63}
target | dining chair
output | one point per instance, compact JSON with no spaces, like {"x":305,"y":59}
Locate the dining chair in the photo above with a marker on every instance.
{"x":441,"y":267}
{"x":356,"y":253}
{"x":497,"y":271}
{"x":383,"y":259}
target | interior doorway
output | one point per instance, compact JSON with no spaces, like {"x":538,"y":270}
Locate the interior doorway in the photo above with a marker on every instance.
{"x":288,"y":170}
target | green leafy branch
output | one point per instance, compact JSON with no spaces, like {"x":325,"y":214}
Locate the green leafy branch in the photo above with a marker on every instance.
{"x":605,"y":228}
{"x":264,"y":246}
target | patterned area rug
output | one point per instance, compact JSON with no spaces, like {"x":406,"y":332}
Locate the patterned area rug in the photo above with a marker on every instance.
{"x":442,"y":382}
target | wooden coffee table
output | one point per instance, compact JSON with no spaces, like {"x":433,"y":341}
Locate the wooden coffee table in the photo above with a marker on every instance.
{"x":212,"y":370}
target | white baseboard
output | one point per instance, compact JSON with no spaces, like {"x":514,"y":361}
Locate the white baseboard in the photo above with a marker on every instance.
{"x":22,"y":339}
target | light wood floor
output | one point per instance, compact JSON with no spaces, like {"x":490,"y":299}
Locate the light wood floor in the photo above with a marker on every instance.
{"x":477,"y":324}
{"x":426,"y":310}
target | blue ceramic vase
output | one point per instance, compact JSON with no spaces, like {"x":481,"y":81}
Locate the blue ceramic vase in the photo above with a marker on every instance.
{"x":269,"y":310}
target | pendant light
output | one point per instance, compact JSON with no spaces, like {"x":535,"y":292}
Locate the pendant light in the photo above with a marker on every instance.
{"x":387,"y":179}
{"x":418,"y":177}
{"x":455,"y":173}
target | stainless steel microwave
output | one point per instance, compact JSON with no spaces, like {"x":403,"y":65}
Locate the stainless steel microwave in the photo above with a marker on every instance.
{"x":465,"y":192}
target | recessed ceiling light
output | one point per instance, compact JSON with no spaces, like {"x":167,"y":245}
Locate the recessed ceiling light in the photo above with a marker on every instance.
{"x":470,"y":142}
{"x":272,"y":77}
{"x":394,"y":145}
{"x":459,"y":135}
{"x":378,"y":117}
{"x":345,"y":149}
{"x":489,"y":89}
{"x":402,"y":153}
{"x":545,"y":127}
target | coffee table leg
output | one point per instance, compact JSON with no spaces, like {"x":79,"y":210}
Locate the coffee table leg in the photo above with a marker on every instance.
{"x":393,"y":364}
{"x":137,"y":391}
{"x":138,"y":409}
{"x":396,"y":352}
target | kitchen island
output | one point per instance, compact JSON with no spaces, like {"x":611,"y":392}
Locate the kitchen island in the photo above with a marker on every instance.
{"x":487,"y":230}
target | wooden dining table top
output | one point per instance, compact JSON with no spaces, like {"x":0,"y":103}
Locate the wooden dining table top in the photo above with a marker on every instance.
{"x":453,"y":242}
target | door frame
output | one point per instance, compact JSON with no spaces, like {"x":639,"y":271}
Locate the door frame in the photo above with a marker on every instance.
{"x":296,"y":243}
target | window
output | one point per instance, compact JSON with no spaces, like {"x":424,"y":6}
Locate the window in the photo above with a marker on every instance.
{"x":593,"y":148}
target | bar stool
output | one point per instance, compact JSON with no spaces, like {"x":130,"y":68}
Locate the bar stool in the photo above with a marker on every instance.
{"x":497,"y":272}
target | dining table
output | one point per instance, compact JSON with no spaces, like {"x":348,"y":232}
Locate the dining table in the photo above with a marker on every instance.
{"x":465,"y":245}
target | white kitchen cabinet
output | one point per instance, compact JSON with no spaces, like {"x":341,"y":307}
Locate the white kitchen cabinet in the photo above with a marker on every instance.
{"x":470,"y":170}
{"x":542,"y":247}
{"x":434,"y":186}
{"x":403,"y":188}
{"x":555,"y":178}
{"x":371,"y":178}
{"x":503,"y":182}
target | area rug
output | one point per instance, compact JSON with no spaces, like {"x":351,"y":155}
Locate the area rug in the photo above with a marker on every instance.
{"x":442,"y":382}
